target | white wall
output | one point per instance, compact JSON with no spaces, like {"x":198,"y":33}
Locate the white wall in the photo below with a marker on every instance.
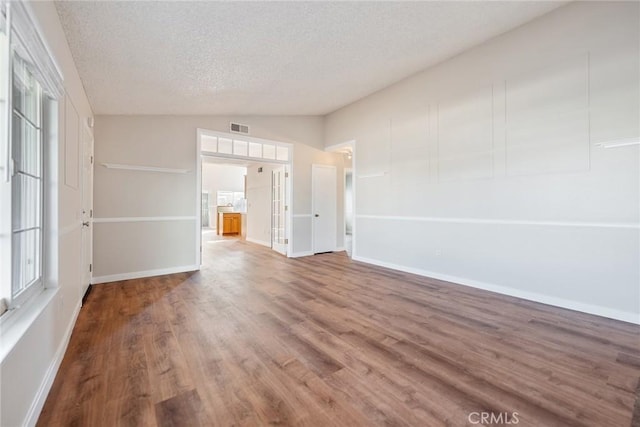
{"x":127,"y":204}
{"x":28,"y":370}
{"x":259,"y":203}
{"x":143,"y":221}
{"x":485,"y":169}
{"x":220,"y":177}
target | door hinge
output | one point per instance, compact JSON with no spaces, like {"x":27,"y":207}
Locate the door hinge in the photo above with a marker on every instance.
{"x":286,"y":174}
{"x":286,"y":241}
{"x":90,"y":213}
{"x":91,"y":159}
{"x":90,"y":268}
{"x":286,"y":208}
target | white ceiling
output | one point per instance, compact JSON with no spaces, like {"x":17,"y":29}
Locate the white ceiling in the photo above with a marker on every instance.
{"x":267,"y":58}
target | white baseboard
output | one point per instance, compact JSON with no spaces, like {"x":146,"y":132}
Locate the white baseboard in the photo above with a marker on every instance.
{"x":300,"y":254}
{"x":340,"y":249}
{"x":518,"y":293}
{"x":139,"y":274}
{"x":258,"y":242}
{"x":41,"y":396}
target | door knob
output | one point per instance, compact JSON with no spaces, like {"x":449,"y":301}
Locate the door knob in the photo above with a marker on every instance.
{"x":85,"y":224}
{"x":316,"y":215}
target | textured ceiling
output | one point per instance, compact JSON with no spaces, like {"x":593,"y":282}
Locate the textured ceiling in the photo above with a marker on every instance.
{"x":267,"y":57}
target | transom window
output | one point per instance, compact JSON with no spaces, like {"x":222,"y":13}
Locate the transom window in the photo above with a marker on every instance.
{"x":246,"y":147}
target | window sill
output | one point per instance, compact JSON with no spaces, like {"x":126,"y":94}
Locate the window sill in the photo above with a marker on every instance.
{"x":15,"y":323}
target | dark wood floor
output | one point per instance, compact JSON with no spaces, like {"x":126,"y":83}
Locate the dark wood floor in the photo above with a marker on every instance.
{"x":257,"y":339}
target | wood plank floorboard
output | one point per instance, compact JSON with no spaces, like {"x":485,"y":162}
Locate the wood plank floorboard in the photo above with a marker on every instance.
{"x":257,"y":339}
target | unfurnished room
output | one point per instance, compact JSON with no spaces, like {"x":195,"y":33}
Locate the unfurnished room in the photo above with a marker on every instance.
{"x":319,"y":213}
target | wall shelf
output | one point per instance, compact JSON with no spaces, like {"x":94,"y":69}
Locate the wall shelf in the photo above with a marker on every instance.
{"x":373,"y":175}
{"x":144,"y":168}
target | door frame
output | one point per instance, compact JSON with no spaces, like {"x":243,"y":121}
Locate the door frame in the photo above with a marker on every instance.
{"x":200,"y":132}
{"x":340,"y":148}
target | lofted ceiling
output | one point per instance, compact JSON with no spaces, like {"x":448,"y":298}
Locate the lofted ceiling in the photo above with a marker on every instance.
{"x":267,"y":58}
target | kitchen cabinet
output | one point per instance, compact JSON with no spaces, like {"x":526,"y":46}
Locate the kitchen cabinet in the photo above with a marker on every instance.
{"x":229,"y":223}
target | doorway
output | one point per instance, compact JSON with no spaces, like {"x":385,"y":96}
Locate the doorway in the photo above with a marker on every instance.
{"x":223,"y":200}
{"x":267,"y":189}
{"x":348,"y":151}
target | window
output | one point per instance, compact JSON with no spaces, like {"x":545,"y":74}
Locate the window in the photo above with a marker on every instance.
{"x":26,"y":179}
{"x":213,"y":142}
{"x":29,"y":85}
{"x":229,"y":198}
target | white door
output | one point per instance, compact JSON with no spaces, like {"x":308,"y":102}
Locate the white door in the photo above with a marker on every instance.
{"x":87,"y":209}
{"x":279,"y":208}
{"x":324,"y":202}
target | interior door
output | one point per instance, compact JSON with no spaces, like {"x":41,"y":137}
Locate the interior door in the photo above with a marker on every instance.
{"x":324,"y":205}
{"x":278,"y":210}
{"x":87,"y":209}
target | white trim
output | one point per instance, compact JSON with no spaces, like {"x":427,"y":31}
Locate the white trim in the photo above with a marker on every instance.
{"x":140,"y":274}
{"x":36,"y":24}
{"x":339,"y":249}
{"x":302,"y":215}
{"x":144,"y":168}
{"x":198,"y":216}
{"x":143,"y":219}
{"x":354,"y":183}
{"x":301,"y":254}
{"x":258,"y":242}
{"x":28,"y":31}
{"x":256,"y":160}
{"x":625,"y":316}
{"x":41,"y":396}
{"x":630,"y":225}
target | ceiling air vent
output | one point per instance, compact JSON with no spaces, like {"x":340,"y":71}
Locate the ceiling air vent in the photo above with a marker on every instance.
{"x":238,"y":128}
